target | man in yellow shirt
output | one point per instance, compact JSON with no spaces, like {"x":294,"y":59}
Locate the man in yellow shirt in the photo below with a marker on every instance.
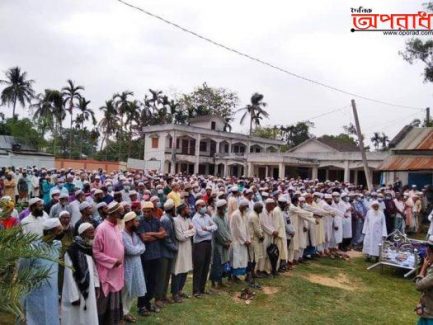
{"x":175,"y":195}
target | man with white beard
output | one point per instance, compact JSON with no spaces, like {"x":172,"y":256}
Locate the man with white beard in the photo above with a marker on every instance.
{"x":317,"y":231}
{"x":299,"y":218}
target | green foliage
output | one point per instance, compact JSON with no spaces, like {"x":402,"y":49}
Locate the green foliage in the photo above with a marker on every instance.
{"x":24,"y":130}
{"x":380,"y":141}
{"x":296,"y":133}
{"x":18,"y":89}
{"x":207,"y":100}
{"x":268,"y":132}
{"x":14,"y":246}
{"x":255,"y":110}
{"x":84,"y":143}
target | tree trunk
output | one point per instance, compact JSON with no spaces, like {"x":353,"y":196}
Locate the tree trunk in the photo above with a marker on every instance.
{"x":70,"y":131}
{"x":102,"y":142}
{"x":13,"y":109}
{"x":251,"y":123}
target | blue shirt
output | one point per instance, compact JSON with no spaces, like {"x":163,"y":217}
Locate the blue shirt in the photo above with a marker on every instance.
{"x":153,"y":248}
{"x":199,"y":221}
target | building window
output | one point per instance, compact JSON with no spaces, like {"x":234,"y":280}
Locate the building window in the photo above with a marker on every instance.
{"x":155,"y":142}
{"x":212,"y":125}
{"x":203,"y":146}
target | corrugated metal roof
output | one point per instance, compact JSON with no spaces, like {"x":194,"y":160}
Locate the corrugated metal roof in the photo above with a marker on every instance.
{"x":406,"y":163}
{"x":417,"y":139}
{"x":6,"y":142}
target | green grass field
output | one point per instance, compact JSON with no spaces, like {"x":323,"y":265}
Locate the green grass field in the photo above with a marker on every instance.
{"x":322,"y":292}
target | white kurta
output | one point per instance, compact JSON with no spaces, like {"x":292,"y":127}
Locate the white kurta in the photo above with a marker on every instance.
{"x":232,"y":206}
{"x":374,"y":230}
{"x":338,"y":224}
{"x":75,"y":211}
{"x":76,"y":315}
{"x":183,"y":263}
{"x":240,"y":234}
{"x":347,"y":220}
{"x":280,"y":226}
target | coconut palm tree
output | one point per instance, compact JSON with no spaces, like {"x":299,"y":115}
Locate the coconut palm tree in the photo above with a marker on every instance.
{"x":384,"y":140}
{"x":71,"y":96}
{"x":227,"y":124}
{"x":110,"y":122}
{"x":376,"y":139}
{"x":42,"y":112}
{"x":85,"y":113}
{"x":123,"y":107}
{"x":255,"y":110}
{"x":18,"y":89}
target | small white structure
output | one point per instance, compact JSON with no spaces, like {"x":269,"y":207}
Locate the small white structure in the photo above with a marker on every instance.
{"x":14,"y":153}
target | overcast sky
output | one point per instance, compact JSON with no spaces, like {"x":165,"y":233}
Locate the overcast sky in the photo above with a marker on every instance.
{"x":108,"y":47}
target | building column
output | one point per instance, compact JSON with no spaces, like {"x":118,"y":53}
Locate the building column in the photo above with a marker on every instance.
{"x":266,"y":171}
{"x":250,"y":170}
{"x":281,"y":170}
{"x":207,"y":169}
{"x":217,"y":146}
{"x":173,"y":153}
{"x":355,"y":179}
{"x":314,"y":172}
{"x":346,"y":172}
{"x":226,"y":172}
{"x":197,"y":153}
{"x":327,"y":174}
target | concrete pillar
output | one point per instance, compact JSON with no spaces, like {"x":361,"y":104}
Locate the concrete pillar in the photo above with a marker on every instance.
{"x":314,"y":172}
{"x":197,"y":153}
{"x":173,"y":153}
{"x":327,"y":174}
{"x":355,"y":179}
{"x":346,"y":171}
{"x":215,"y":169}
{"x":226,"y":172}
{"x":250,"y":170}
{"x":266,"y":171}
{"x":281,"y":170}
{"x":207,"y":169}
{"x":217,"y":147}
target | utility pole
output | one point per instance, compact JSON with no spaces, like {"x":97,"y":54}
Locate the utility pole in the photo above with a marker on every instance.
{"x":361,"y":146}
{"x":427,"y":116}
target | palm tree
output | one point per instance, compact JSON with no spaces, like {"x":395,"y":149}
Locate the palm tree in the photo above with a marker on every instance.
{"x":18,"y":89}
{"x":254,"y":110}
{"x":43,"y":114}
{"x":71,"y":95}
{"x":376,"y":140}
{"x":85,"y":114}
{"x":384,"y":140}
{"x":123,"y":106}
{"x":110,"y":122}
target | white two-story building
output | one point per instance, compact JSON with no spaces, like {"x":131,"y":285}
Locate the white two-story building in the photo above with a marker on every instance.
{"x":203,"y":147}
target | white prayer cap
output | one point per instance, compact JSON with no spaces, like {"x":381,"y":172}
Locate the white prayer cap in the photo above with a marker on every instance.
{"x":328,"y":196}
{"x":169,"y":204}
{"x":34,"y":201}
{"x":200,"y":202}
{"x":318,"y":194}
{"x":265,"y":194}
{"x":208,"y":187}
{"x":62,"y":213}
{"x":51,"y":223}
{"x":124,"y":204}
{"x":78,"y":192}
{"x":282,"y":199}
{"x":129,"y":216}
{"x":133,"y":192}
{"x":84,"y":205}
{"x":248,"y":191}
{"x":375,"y":203}
{"x":63,"y":195}
{"x":98,"y":191}
{"x":268,"y":201}
{"x":220,"y":194}
{"x":55,"y":192}
{"x":154,"y":198}
{"x":235,"y":189}
{"x":335,"y":194}
{"x":343,"y":195}
{"x":84,"y":226}
{"x":258,"y":205}
{"x":373,"y":193}
{"x":244,"y":203}
{"x":221,"y":203}
{"x":146,"y":205}
{"x":100,"y":205}
{"x":301,"y":199}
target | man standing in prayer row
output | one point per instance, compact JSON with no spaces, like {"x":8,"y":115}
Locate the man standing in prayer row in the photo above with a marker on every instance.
{"x":80,"y":280}
{"x":240,"y":240}
{"x":135,"y":285}
{"x":168,"y":251}
{"x":41,"y":305}
{"x":221,"y":244}
{"x":34,"y":223}
{"x":109,"y":252}
{"x":151,"y":233}
{"x":256,"y":249}
{"x":184,"y":232}
{"x":202,"y":247}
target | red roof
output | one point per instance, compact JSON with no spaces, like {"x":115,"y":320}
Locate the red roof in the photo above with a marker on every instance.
{"x":407,"y":163}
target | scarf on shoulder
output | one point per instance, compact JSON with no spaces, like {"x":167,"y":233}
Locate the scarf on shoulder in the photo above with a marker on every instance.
{"x":77,"y":252}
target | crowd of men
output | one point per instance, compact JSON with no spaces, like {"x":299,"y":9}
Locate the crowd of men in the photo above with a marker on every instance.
{"x":133,"y":237}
